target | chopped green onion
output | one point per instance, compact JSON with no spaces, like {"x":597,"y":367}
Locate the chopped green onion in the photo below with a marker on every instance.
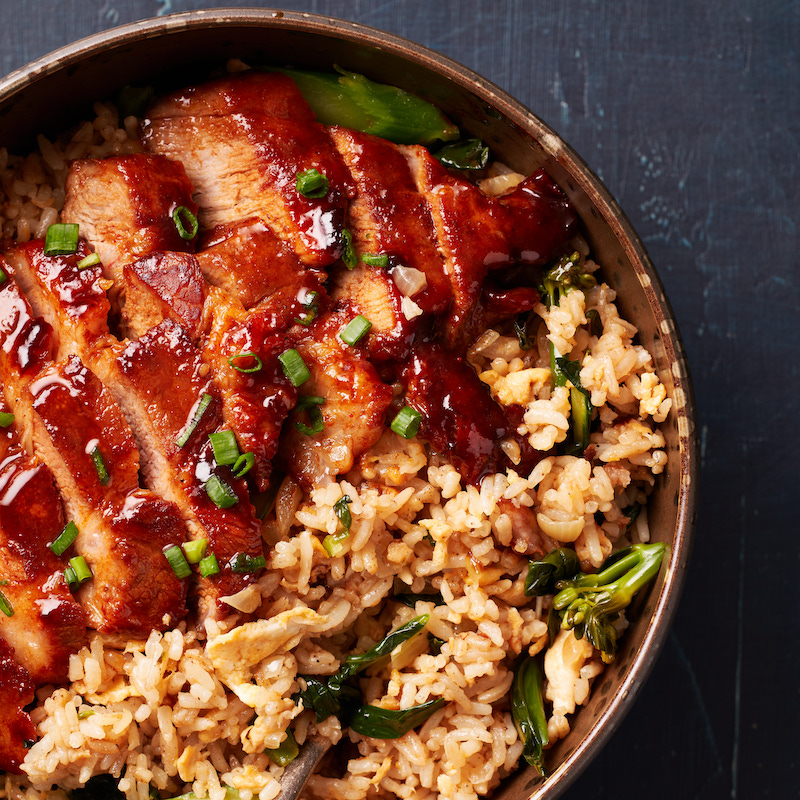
{"x":92,"y":260}
{"x":85,"y":713}
{"x":61,"y":239}
{"x":334,"y":543}
{"x":310,"y":404}
{"x":3,"y":276}
{"x":220,"y":493}
{"x":375,"y":259}
{"x":467,"y":154}
{"x":286,"y":752}
{"x":243,"y":465}
{"x":225,"y":448}
{"x":311,"y":304}
{"x":177,"y":560}
{"x":312,"y":183}
{"x":5,"y":605}
{"x":246,"y":370}
{"x":242,"y":562}
{"x":69,"y":576}
{"x":202,"y":405}
{"x":80,"y":569}
{"x":185,"y":222}
{"x":65,"y":538}
{"x":349,"y":252}
{"x":355,"y":330}
{"x":100,"y":466}
{"x":5,"y":419}
{"x":343,"y":512}
{"x":406,"y":423}
{"x":195,"y":550}
{"x":294,"y":367}
{"x":209,"y":566}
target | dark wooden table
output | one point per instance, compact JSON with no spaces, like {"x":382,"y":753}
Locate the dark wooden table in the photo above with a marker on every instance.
{"x":690,"y":113}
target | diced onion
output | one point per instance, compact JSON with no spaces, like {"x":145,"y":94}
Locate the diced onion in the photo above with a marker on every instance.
{"x":408,"y":280}
{"x":246,"y":601}
{"x":409,"y":308}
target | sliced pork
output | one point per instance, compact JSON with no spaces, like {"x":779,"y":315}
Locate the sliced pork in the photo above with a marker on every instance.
{"x":353,"y":411}
{"x":17,"y":732}
{"x":42,"y":623}
{"x":250,"y":262}
{"x":243,"y":139}
{"x":72,"y":424}
{"x":478,"y":234}
{"x":161,"y":383}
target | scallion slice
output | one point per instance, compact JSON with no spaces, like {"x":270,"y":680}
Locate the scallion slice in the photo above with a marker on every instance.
{"x":100,"y":466}
{"x":311,"y":183}
{"x":92,"y":260}
{"x":69,"y":576}
{"x":286,"y":752}
{"x":246,"y":370}
{"x":294,"y":367}
{"x":375,"y":259}
{"x":61,"y":239}
{"x":343,"y":512}
{"x":6,"y":419}
{"x":243,"y":465}
{"x":355,"y":330}
{"x":349,"y":252}
{"x":209,"y":566}
{"x":225,"y":448}
{"x":310,"y":404}
{"x":220,"y":493}
{"x":80,"y":569}
{"x":5,"y":605}
{"x":202,"y":405}
{"x":65,"y":538}
{"x":3,"y":276}
{"x":177,"y":560}
{"x":185,"y":222}
{"x":334,"y":543}
{"x":406,"y":423}
{"x":85,"y":713}
{"x":195,"y":550}
{"x":242,"y":562}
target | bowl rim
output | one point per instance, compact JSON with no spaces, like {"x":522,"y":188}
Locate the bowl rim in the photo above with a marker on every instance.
{"x":554,"y":147}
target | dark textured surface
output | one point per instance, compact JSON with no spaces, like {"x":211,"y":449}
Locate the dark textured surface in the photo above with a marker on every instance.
{"x":690,"y":113}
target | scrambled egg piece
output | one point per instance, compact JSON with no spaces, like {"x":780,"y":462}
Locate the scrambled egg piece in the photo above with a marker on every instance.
{"x":517,"y":387}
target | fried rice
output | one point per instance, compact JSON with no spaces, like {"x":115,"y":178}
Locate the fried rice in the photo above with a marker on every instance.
{"x":198,"y":711}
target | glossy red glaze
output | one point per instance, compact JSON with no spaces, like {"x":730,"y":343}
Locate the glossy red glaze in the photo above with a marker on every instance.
{"x":16,"y":728}
{"x":27,"y":343}
{"x":459,"y":417}
{"x":256,"y":132}
{"x":48,"y":624}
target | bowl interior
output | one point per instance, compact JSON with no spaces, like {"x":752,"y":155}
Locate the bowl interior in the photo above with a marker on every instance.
{"x":59,"y":89}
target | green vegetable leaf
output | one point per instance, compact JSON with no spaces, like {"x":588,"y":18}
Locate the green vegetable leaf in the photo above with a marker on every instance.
{"x":353,"y":101}
{"x":466,"y":155}
{"x":527,"y":711}
{"x":385,"y":723}
{"x":557,"y":565}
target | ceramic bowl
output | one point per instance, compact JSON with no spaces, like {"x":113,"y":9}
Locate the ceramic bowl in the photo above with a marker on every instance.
{"x":58,"y":89}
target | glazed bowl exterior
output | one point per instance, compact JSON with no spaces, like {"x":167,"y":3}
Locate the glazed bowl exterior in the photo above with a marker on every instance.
{"x":57,"y":90}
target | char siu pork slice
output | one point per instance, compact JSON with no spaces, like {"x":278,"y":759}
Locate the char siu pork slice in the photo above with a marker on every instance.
{"x":42,"y":622}
{"x":243,"y":349}
{"x":478,"y":234}
{"x":171,"y":402}
{"x":459,"y":417}
{"x":71,"y":299}
{"x":16,"y":728}
{"x":243,"y":139}
{"x":163,"y":285}
{"x":125,"y":207}
{"x":80,"y":434}
{"x":354,"y":406}
{"x":249,"y":262}
{"x":389,"y":218}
